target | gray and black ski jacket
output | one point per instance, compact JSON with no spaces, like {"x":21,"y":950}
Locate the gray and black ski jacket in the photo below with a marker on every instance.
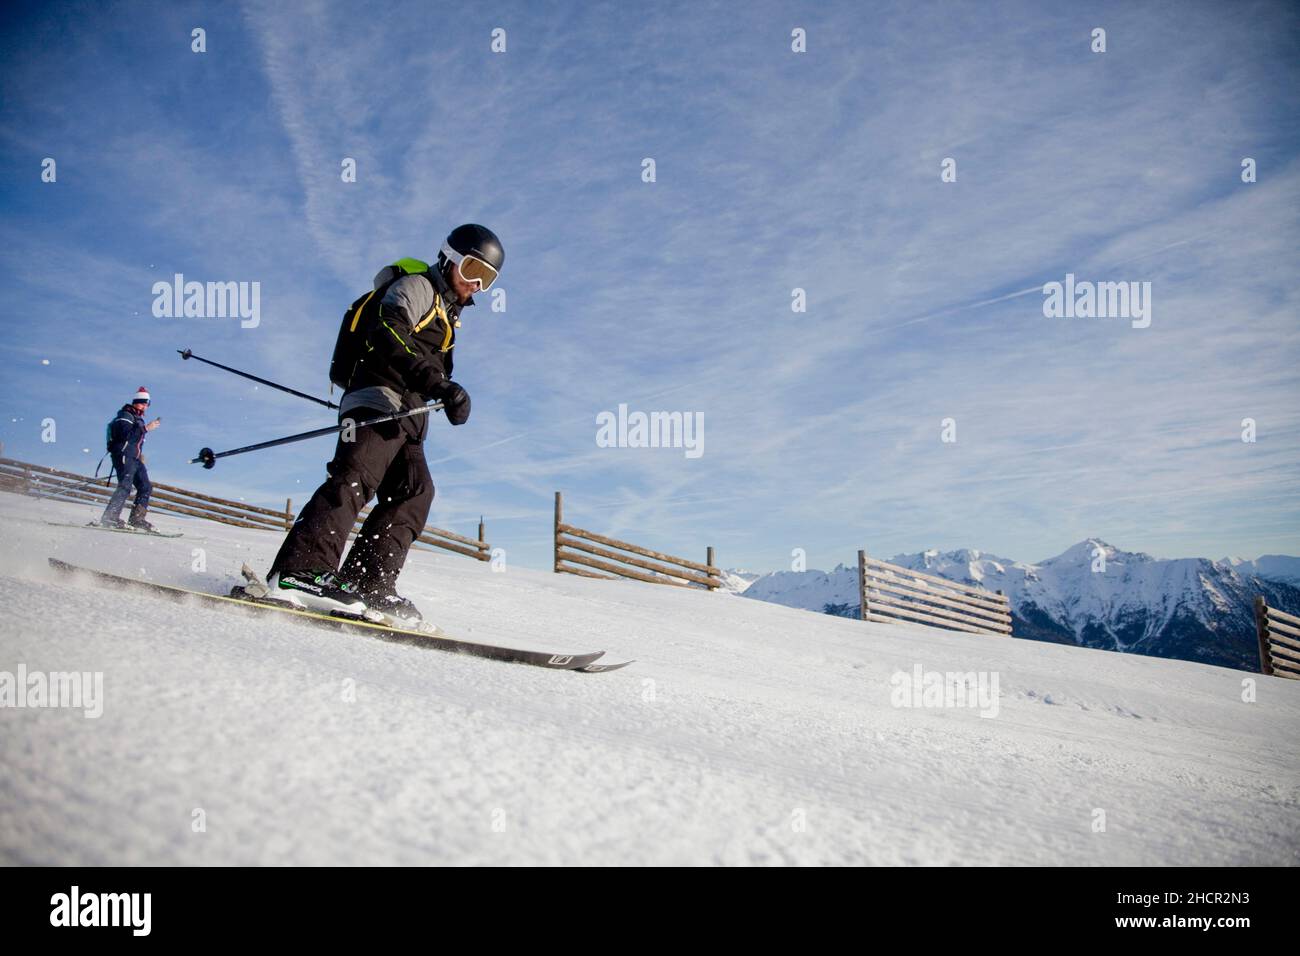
{"x":408,"y":357}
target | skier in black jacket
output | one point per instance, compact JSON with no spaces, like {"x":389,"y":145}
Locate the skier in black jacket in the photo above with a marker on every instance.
{"x":125,"y":439}
{"x":406,"y":362}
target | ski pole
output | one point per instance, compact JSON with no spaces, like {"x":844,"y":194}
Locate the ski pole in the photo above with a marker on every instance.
{"x":208,"y":457}
{"x":187,"y":354}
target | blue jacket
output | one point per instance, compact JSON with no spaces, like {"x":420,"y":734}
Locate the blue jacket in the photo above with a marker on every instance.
{"x":126,"y":433}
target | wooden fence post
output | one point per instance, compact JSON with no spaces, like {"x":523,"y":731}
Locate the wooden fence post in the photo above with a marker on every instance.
{"x":559,"y":519}
{"x":1261,"y":628}
{"x":862,"y":585}
{"x":481,"y":539}
{"x":708,"y":559}
{"x":288,"y":514}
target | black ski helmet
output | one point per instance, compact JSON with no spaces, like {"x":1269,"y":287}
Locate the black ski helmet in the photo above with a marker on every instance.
{"x":472,"y":239}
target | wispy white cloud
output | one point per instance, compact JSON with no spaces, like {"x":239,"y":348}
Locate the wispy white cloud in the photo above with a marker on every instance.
{"x":819,"y":171}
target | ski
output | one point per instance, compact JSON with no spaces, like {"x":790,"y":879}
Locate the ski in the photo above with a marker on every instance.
{"x":96,"y":526}
{"x":356,"y":625}
{"x":602,"y":668}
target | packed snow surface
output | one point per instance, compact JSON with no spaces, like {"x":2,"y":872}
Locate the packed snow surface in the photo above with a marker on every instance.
{"x":746,"y":733}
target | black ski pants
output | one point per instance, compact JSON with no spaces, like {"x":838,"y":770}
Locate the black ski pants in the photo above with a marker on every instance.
{"x":384,"y":461}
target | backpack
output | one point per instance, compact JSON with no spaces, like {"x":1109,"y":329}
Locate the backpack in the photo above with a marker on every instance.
{"x":360,"y":319}
{"x":108,"y":447}
{"x":108,"y":432}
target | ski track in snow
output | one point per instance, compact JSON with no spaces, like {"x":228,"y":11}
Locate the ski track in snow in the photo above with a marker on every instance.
{"x":739,"y":718}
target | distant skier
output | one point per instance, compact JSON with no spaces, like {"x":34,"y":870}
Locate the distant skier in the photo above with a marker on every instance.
{"x":125,"y":439}
{"x":393,"y":353}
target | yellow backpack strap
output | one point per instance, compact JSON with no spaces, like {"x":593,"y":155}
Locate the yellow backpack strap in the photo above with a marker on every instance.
{"x":356,"y":316}
{"x":437,"y":311}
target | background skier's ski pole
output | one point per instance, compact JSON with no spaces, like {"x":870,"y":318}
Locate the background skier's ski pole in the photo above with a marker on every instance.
{"x":187,"y":354}
{"x":208,"y":457}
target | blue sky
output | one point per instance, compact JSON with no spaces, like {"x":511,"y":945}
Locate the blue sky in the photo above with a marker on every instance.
{"x":775,"y":170}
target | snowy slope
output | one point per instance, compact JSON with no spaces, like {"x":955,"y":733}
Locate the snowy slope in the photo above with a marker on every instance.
{"x":746,"y":733}
{"x":1188,"y":608}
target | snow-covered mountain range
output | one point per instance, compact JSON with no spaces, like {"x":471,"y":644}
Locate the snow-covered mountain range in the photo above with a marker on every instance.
{"x":737,"y":580}
{"x":1093,"y":595}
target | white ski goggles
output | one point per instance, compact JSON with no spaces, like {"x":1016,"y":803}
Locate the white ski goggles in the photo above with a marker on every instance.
{"x":471,"y":268}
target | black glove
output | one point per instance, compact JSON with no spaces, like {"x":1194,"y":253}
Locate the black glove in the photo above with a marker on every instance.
{"x":455,"y":402}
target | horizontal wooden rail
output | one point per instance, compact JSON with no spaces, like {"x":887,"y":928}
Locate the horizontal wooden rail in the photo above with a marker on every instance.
{"x":1275,"y":627}
{"x":1285,"y":654}
{"x":44,"y":481}
{"x":970,"y":589}
{"x":19,"y":467}
{"x":921,"y":581}
{"x":582,"y":572}
{"x":1283,"y":668}
{"x":622,"y":571}
{"x":430,"y":531}
{"x":890,"y":592}
{"x":1279,"y":640}
{"x":208,"y":505}
{"x":996,"y":614}
{"x":578,"y":544}
{"x":70,"y":493}
{"x":478,"y":544}
{"x":60,"y":484}
{"x":876,"y":599}
{"x":621,"y":559}
{"x":934,"y":597}
{"x":256,"y":509}
{"x":479,"y":554}
{"x":1281,"y":617}
{"x":881,"y":612}
{"x":637,"y":549}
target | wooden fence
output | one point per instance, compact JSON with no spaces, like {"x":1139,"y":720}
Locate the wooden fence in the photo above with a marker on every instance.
{"x":603,"y":557}
{"x":43,"y":482}
{"x":1279,"y":641}
{"x":901,"y":596}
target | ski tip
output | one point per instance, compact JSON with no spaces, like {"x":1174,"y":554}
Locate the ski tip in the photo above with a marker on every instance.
{"x":601,"y":668}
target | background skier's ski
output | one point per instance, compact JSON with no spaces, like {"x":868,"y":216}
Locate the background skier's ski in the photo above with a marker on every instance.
{"x":96,"y":526}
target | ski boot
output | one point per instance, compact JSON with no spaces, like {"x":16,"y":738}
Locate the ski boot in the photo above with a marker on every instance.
{"x":398,"y":611}
{"x":315,"y":591}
